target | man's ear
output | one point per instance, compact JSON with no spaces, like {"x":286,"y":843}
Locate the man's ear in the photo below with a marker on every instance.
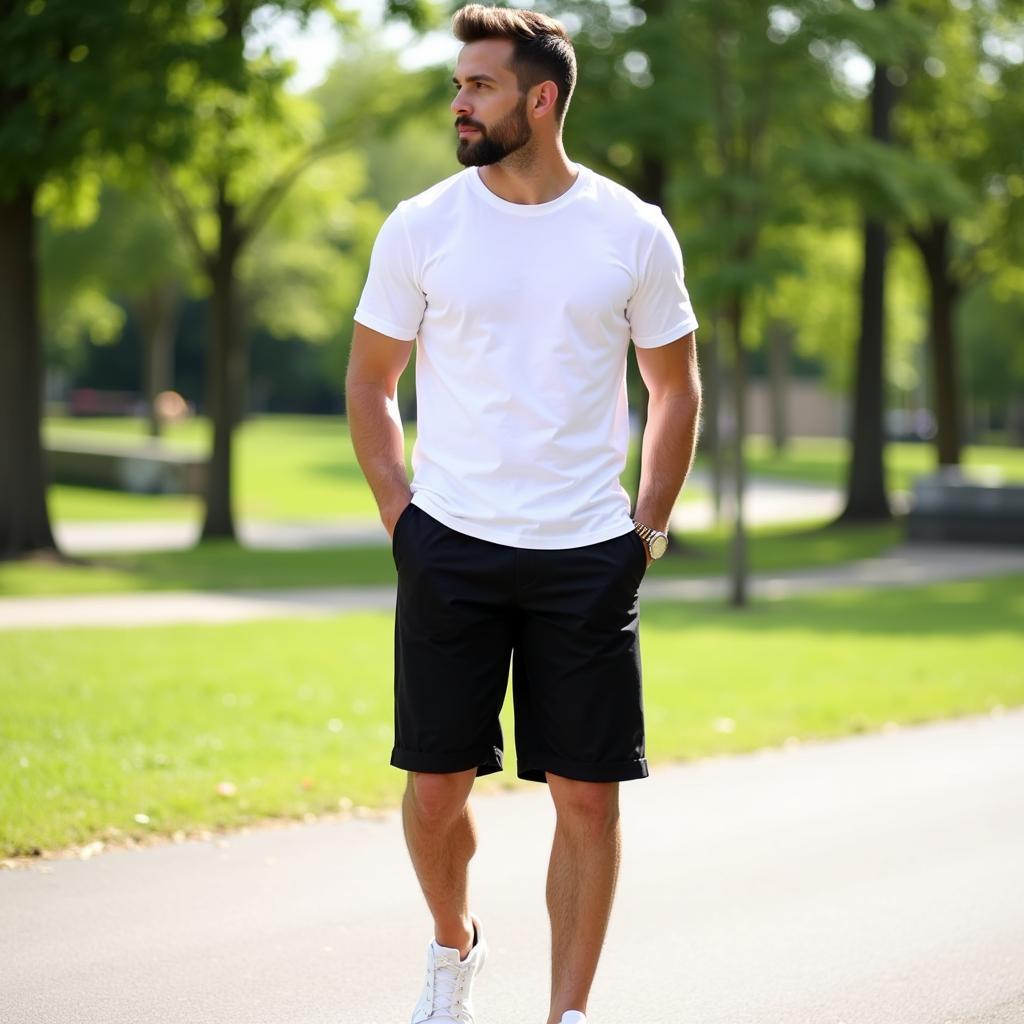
{"x":543,"y":99}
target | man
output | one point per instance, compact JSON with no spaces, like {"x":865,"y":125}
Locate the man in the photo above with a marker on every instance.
{"x":522,"y":280}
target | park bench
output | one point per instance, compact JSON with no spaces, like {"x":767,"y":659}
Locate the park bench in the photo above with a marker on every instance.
{"x":142,"y":467}
{"x":947,"y":506}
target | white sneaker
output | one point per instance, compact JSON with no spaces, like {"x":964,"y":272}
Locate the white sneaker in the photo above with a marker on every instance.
{"x":448,"y":994}
{"x":573,"y":1017}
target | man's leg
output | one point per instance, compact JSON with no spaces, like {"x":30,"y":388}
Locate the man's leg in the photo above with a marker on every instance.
{"x":441,"y":835}
{"x":581,"y":885}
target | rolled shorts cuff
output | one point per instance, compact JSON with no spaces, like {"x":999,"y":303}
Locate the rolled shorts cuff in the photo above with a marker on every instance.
{"x":583,"y":771}
{"x":486,"y":760}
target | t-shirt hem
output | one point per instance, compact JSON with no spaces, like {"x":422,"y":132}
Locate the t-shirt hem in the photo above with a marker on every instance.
{"x":472,"y":529}
{"x":375,"y":323}
{"x":657,"y":340}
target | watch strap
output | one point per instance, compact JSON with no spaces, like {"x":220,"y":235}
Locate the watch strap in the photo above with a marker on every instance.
{"x":648,"y":535}
{"x":646,"y":532}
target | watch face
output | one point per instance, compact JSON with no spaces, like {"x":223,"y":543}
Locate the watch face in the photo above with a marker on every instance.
{"x":659,"y":542}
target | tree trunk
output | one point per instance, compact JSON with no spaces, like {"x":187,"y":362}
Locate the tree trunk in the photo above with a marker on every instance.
{"x":157,"y":317}
{"x":711,"y":435}
{"x":1015,"y":420}
{"x":653,"y":179}
{"x":226,"y":359}
{"x":738,"y":569}
{"x":226,"y":371}
{"x":225,"y":387}
{"x":944,"y":291}
{"x":24,"y":518}
{"x":778,"y":379}
{"x":866,"y":497}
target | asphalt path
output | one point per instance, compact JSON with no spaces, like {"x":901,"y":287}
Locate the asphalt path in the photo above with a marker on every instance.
{"x":874,"y":880}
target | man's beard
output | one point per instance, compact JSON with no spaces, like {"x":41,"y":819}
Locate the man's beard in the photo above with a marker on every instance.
{"x":512,"y":132}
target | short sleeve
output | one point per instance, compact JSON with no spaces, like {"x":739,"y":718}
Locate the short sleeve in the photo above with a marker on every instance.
{"x":659,"y":310}
{"x":392,"y":301}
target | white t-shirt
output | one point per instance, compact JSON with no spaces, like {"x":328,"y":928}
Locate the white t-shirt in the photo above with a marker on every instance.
{"x":523,"y":316}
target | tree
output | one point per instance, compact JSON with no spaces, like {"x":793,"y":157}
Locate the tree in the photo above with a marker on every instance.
{"x":866,"y":496}
{"x":739,"y":134}
{"x":75,"y":84}
{"x":960,"y":107}
{"x":252,"y":145}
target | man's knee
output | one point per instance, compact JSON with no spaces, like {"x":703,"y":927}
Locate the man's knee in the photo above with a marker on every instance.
{"x":438,"y":798}
{"x":594,"y":805}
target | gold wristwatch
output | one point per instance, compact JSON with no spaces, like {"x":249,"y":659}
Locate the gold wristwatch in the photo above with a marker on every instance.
{"x":655,"y":540}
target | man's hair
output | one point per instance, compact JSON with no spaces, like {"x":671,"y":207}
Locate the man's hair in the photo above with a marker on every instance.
{"x":542,"y":50}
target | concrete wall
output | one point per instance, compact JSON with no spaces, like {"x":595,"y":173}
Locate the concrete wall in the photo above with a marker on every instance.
{"x":811,"y":410}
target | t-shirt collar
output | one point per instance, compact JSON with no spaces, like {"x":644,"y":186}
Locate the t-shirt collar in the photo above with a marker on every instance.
{"x":526,"y":209}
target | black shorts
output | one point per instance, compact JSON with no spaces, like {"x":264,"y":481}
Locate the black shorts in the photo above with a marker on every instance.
{"x":567,"y":619}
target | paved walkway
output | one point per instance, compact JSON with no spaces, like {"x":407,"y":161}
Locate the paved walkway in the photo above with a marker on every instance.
{"x":874,"y":880}
{"x":768,"y":501}
{"x":902,"y":566}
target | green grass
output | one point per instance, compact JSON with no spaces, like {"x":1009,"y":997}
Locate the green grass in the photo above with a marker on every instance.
{"x":102,"y":726}
{"x":298,"y":468}
{"x":223,"y":565}
{"x":288,"y":468}
{"x":303,"y":468}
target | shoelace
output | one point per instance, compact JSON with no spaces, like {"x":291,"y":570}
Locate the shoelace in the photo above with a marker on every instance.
{"x":447,"y":983}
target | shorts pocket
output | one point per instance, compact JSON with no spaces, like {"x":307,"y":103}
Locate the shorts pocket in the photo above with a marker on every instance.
{"x":402,"y":516}
{"x":641,"y":546}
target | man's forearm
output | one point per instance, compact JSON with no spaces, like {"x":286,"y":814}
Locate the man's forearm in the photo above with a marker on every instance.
{"x":377,"y":438}
{"x":669,"y":442}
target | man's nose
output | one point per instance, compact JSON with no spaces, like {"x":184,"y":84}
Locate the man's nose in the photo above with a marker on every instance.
{"x":460,"y":105}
